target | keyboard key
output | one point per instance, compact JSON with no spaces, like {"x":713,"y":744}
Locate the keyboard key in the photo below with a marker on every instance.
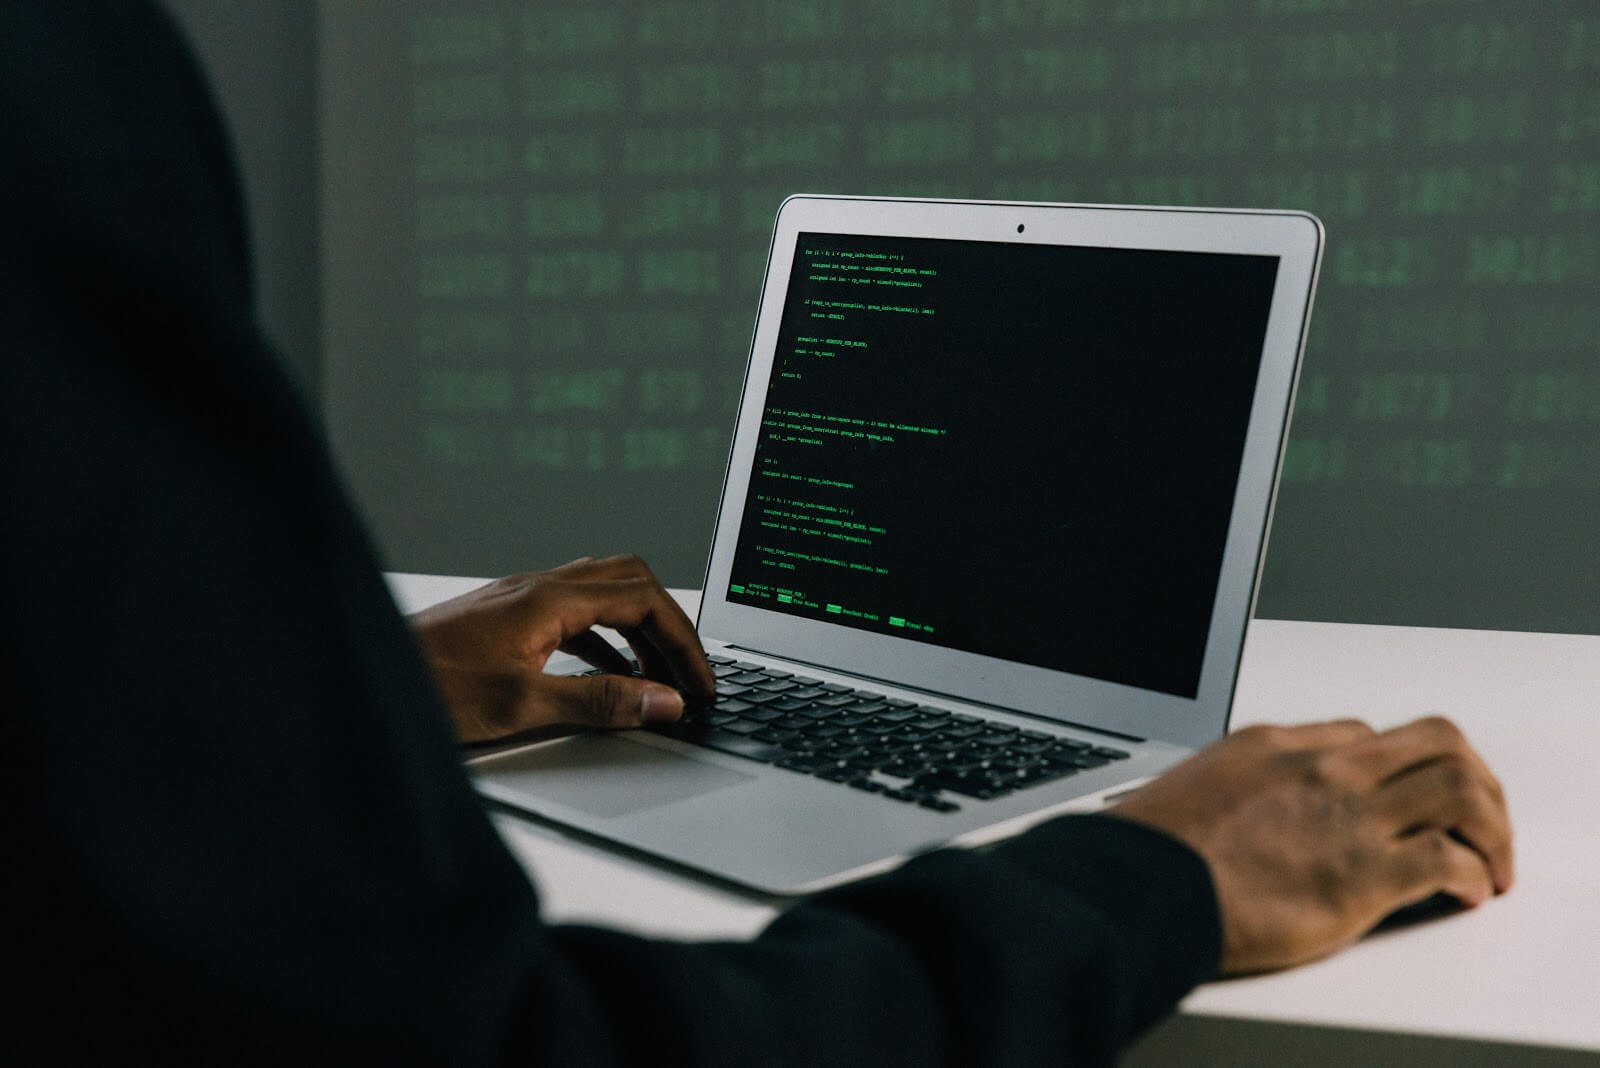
{"x":734,"y":706}
{"x":724,"y":742}
{"x":808,"y":693}
{"x":804,"y":763}
{"x":837,"y":700}
{"x":745,"y":665}
{"x":904,"y":768}
{"x":746,"y":678}
{"x":807,"y":680}
{"x":866,"y":706}
{"x":977,"y":786}
{"x":777,"y":673}
{"x":811,"y":711}
{"x":871,"y":786}
{"x":804,"y":743}
{"x":1043,"y":773}
{"x":776,"y":686}
{"x":899,"y":702}
{"x":835,"y":687}
{"x":1109,"y":754}
{"x":696,"y":712}
{"x":789,"y":704}
{"x":761,"y":715}
{"x":1076,"y":760}
{"x":719,"y":660}
{"x":939,"y":804}
{"x":760,"y":697}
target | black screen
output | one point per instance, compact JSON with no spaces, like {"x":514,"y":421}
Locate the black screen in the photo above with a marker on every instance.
{"x":1023,"y":451}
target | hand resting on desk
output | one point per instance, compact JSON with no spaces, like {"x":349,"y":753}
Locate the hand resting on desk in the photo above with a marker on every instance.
{"x":488,"y":649}
{"x":1312,"y":834}
{"x":1315,"y":833}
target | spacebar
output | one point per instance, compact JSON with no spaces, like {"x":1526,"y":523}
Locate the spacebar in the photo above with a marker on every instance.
{"x":722,"y":741}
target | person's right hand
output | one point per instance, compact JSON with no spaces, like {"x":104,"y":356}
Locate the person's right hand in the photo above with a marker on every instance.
{"x":1314,"y":834}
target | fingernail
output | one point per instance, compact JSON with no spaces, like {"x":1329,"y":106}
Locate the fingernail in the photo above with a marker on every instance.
{"x":660,"y":704}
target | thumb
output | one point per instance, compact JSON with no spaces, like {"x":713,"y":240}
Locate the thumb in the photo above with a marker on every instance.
{"x":610,"y":701}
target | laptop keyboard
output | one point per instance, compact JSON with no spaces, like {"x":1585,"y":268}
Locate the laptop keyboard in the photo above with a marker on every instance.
{"x":901,"y":750}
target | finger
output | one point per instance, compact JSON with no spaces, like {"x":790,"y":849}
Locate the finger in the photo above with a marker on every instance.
{"x":1458,"y":796}
{"x":1309,"y":735}
{"x":652,"y":664}
{"x":593,"y":649}
{"x":605,"y":701}
{"x":1433,"y":862}
{"x":652,"y":622}
{"x":1388,"y":754}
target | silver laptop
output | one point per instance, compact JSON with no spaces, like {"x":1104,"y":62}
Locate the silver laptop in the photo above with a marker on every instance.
{"x":988,"y":543}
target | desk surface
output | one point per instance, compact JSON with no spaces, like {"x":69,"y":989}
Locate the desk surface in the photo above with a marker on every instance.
{"x":1524,"y":968}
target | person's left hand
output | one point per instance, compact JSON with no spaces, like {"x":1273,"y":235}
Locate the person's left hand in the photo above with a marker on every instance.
{"x":488,"y":649}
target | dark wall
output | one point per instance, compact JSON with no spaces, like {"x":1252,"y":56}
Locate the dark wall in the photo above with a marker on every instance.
{"x":261,"y":57}
{"x":547,"y":222}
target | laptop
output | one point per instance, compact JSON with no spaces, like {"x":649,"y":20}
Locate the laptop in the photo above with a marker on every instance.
{"x":988,"y":541}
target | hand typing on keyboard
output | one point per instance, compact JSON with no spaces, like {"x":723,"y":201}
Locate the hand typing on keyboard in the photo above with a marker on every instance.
{"x":488,"y":649}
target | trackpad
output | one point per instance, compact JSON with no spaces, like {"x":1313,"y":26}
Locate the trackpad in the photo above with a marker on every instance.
{"x":606,"y":775}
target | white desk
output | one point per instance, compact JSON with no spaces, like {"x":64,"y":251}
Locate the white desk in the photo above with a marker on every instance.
{"x":1523,"y":969}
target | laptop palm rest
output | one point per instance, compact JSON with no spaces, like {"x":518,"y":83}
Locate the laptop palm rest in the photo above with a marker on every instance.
{"x":608,"y":776}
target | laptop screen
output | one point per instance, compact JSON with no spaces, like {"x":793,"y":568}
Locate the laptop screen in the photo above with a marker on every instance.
{"x":1023,"y":451}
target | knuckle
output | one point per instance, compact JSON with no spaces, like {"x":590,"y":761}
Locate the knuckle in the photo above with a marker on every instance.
{"x":1264,"y":735}
{"x":635,"y":565}
{"x":1444,"y":731}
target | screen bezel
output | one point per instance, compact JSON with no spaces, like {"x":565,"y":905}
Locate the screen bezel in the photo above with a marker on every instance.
{"x":1295,"y":238}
